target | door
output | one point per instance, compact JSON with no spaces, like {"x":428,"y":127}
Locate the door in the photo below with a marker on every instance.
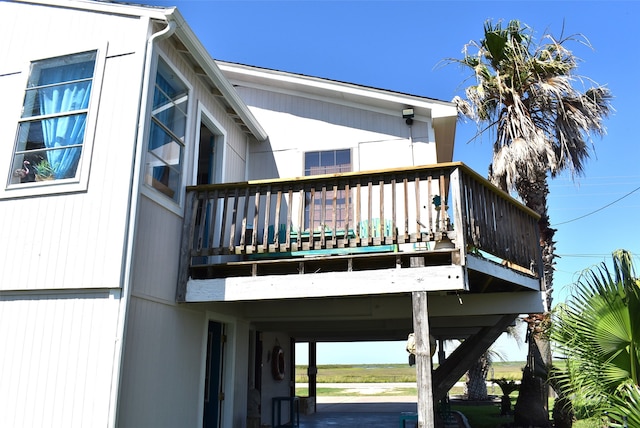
{"x":213,"y":391}
{"x":206,"y":156}
{"x":206,"y":174}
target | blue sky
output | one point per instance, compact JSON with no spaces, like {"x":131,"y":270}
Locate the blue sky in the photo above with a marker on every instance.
{"x":400,"y":46}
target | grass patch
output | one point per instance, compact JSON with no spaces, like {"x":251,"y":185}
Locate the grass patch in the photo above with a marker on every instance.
{"x":386,"y":373}
{"x":373,"y":373}
{"x":483,"y":415}
{"x":344,"y":392}
{"x":588,"y":423}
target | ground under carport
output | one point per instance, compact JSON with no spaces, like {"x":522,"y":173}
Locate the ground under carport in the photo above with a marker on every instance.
{"x":364,"y":412}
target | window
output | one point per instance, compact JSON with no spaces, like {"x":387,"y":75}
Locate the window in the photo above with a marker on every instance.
{"x":327,"y":162}
{"x":163,"y":168}
{"x":51,"y":130}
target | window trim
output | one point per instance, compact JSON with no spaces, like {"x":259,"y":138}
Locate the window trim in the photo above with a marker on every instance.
{"x":176,"y":206}
{"x":80,"y":182}
{"x":203,"y":115}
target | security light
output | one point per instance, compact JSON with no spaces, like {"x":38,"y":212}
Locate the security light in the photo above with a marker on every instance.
{"x":407,"y":114}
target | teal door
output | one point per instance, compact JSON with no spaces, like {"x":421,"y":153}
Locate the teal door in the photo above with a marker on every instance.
{"x":213,"y":395}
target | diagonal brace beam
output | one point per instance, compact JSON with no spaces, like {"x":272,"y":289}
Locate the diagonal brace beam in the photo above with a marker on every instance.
{"x":452,"y":369}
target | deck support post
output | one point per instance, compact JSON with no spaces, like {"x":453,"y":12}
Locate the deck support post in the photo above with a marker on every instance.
{"x":312,"y":372}
{"x":423,"y":360}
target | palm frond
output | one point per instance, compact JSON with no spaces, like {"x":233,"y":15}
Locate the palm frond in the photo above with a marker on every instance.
{"x":530,"y":92}
{"x":624,"y":409}
{"x":598,"y":331}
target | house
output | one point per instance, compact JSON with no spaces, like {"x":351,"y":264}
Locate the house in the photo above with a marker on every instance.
{"x":172,"y":226}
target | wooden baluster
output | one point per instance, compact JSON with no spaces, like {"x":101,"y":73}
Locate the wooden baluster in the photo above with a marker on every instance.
{"x":192,"y":228}
{"x":429,"y":206}
{"x":369,"y":211}
{"x":381,"y":227}
{"x":323,"y":215}
{"x":276,"y":223}
{"x":245,"y":213}
{"x":405,"y":181}
{"x":358,"y":213}
{"x":267,"y":210}
{"x":394,"y":217}
{"x":334,"y":216}
{"x":444,"y":217}
{"x":213,"y":219}
{"x":223,"y":225}
{"x":347,"y":214}
{"x":300,"y":219}
{"x":416,"y":236}
{"x":312,"y":209}
{"x":256,"y":215}
{"x":234,"y":218}
{"x":202,"y":213}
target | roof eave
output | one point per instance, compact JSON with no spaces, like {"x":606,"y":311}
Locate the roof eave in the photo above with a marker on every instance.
{"x":124,"y":9}
{"x":201,"y":55}
{"x":438,"y":108}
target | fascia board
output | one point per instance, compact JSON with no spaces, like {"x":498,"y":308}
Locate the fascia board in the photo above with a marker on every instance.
{"x":437,"y":108}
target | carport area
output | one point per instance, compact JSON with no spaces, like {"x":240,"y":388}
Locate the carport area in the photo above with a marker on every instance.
{"x":476,"y":317}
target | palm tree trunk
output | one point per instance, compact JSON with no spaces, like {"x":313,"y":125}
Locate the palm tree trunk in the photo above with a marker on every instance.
{"x":476,"y":385}
{"x":535,"y":195}
{"x":530,"y":409}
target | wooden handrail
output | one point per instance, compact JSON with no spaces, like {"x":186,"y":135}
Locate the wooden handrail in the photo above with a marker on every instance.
{"x":391,"y":207}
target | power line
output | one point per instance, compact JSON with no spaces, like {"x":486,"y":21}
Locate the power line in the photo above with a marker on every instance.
{"x":599,"y":209}
{"x":594,"y":256}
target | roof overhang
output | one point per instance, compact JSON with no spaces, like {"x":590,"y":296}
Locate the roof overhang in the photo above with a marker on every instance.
{"x":343,"y":91}
{"x":114,"y":8}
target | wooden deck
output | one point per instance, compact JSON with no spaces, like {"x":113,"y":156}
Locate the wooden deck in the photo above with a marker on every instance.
{"x":411,"y":217}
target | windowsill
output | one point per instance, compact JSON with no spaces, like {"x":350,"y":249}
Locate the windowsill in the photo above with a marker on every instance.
{"x":43,"y":188}
{"x":161,"y":198}
{"x":162,"y":188}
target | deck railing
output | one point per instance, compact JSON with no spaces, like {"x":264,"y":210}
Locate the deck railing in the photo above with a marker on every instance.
{"x":418,"y":205}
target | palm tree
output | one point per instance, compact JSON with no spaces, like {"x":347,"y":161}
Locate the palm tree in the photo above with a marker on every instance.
{"x":526,"y":94}
{"x":476,"y":377}
{"x":476,"y":380}
{"x":507,"y":386}
{"x":598,"y":332}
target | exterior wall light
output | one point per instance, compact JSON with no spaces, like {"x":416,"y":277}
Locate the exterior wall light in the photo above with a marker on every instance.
{"x":408,"y":114}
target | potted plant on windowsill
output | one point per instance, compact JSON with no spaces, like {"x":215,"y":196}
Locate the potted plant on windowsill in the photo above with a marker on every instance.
{"x":44,"y":171}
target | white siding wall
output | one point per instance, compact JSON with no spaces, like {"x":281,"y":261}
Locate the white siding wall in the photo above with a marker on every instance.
{"x":298,"y":124}
{"x":56,"y":359}
{"x":72,"y":240}
{"x":161,"y":378}
{"x":164,"y":346}
{"x":271,"y":387}
{"x":59,"y":338}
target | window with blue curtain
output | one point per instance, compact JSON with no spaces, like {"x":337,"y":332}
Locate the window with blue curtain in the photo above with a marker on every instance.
{"x":165,"y":151}
{"x":51,"y":130}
